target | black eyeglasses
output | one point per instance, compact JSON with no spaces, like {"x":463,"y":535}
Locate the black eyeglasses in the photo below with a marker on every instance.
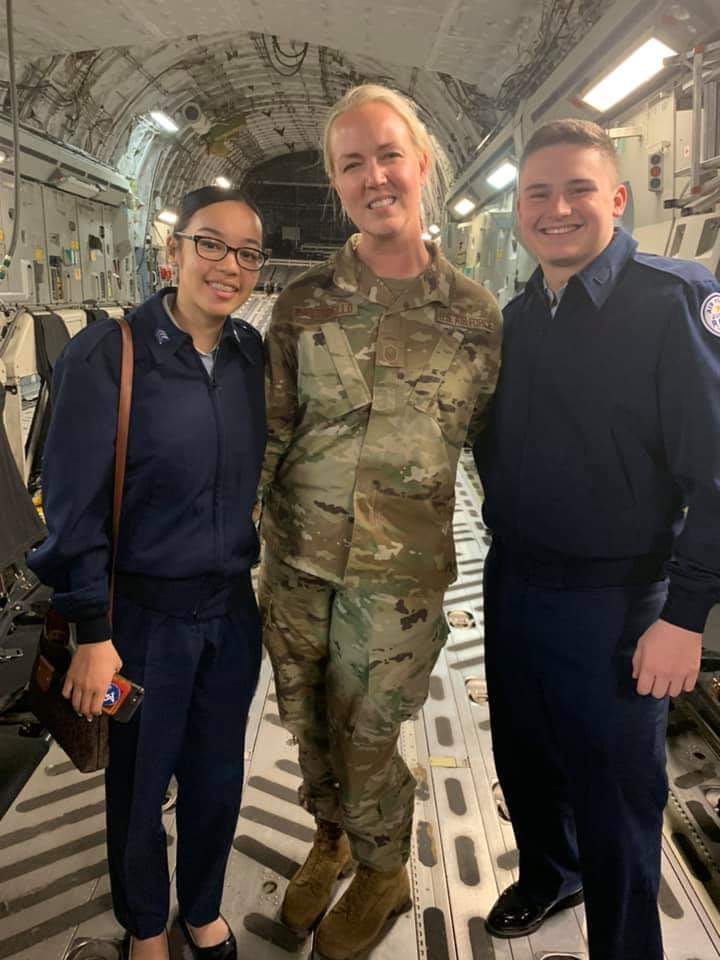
{"x":208,"y":248}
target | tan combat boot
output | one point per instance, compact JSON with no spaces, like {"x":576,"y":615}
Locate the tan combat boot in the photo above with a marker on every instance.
{"x":360,"y":918}
{"x":310,"y":890}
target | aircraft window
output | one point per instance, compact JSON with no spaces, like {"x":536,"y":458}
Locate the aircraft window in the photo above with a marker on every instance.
{"x":677,"y":239}
{"x":708,"y":236}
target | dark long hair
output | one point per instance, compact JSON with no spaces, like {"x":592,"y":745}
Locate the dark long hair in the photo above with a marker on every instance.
{"x":204,"y":197}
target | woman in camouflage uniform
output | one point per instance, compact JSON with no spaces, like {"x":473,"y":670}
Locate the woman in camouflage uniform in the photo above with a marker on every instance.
{"x":380,"y":363}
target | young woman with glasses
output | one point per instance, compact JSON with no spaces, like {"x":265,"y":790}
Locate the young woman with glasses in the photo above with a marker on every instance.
{"x":185,"y":624}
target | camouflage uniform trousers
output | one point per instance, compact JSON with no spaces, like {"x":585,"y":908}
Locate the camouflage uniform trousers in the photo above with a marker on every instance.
{"x":350,"y":666}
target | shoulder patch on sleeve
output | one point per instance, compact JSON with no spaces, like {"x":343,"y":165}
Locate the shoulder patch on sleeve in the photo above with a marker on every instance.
{"x":710,"y":313}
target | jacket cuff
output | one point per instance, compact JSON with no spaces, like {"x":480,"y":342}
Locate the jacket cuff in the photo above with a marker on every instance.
{"x":93,"y":631}
{"x":686,"y":609}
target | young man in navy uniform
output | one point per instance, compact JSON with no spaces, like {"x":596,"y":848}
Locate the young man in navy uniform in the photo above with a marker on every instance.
{"x":606,"y":426}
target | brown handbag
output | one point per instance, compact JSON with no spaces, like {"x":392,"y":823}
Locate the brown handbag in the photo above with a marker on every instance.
{"x":86,"y":744}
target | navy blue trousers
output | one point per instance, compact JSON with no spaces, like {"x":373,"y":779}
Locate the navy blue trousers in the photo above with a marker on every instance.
{"x":579,"y":754}
{"x":199,"y":676}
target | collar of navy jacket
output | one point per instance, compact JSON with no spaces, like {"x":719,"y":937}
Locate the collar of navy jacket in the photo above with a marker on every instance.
{"x":164,"y":338}
{"x":599,"y":277}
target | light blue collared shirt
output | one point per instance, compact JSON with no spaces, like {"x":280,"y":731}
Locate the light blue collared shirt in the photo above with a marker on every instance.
{"x":553,"y":298}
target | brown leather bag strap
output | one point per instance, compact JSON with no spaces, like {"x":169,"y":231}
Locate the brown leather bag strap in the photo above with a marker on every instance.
{"x":121,"y":441}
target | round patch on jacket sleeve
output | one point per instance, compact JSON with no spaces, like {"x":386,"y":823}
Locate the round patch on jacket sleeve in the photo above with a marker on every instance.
{"x":710,"y":313}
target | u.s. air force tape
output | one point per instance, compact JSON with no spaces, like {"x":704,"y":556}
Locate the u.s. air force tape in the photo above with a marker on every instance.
{"x":710,"y":313}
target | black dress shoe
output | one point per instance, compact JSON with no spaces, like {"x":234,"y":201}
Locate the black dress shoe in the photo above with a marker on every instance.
{"x":516,"y":914}
{"x":227,"y":950}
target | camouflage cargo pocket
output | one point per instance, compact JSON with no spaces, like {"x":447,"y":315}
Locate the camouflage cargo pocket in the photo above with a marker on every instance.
{"x":329,"y":384}
{"x":398,"y":682}
{"x":417,"y":694}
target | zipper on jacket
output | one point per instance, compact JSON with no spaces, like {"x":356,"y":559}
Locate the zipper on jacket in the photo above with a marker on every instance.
{"x":214,"y":390}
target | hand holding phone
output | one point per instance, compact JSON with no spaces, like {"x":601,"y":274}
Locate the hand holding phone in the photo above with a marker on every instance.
{"x":89,"y":672}
{"x":122,"y":698}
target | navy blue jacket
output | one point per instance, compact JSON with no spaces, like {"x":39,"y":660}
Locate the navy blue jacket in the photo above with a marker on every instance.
{"x":606,"y":422}
{"x":195,"y":449}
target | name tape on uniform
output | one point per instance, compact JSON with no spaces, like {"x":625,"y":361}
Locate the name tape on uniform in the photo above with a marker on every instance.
{"x":327,"y":311}
{"x":710,"y":313}
{"x":463,"y":320}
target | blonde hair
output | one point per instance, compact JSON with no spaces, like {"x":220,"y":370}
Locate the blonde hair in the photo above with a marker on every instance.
{"x":433,"y":190}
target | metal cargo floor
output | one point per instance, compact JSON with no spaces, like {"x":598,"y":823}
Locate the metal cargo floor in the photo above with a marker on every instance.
{"x":54,"y":889}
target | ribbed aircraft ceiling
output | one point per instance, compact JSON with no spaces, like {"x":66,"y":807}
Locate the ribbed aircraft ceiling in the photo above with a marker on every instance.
{"x":89,"y":75}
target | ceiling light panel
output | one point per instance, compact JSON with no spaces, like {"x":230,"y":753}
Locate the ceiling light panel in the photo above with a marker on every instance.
{"x":163,"y":122}
{"x":503,"y":175}
{"x":642,"y":65}
{"x":463,"y":206}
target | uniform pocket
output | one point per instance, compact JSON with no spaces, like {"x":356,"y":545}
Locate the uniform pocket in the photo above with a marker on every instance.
{"x":415,"y":692}
{"x":431,"y":380}
{"x":330,"y":384}
{"x":408,"y":640}
{"x":449,"y":386}
{"x":459,"y":391}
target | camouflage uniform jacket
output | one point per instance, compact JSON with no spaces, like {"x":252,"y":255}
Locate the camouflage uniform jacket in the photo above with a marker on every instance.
{"x":369,"y":399}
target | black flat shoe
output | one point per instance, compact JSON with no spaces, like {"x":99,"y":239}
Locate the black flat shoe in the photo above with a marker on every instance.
{"x":516,"y":914}
{"x":227,"y":950}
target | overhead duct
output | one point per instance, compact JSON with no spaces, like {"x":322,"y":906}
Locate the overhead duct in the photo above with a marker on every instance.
{"x":73,"y":184}
{"x":43,"y":159}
